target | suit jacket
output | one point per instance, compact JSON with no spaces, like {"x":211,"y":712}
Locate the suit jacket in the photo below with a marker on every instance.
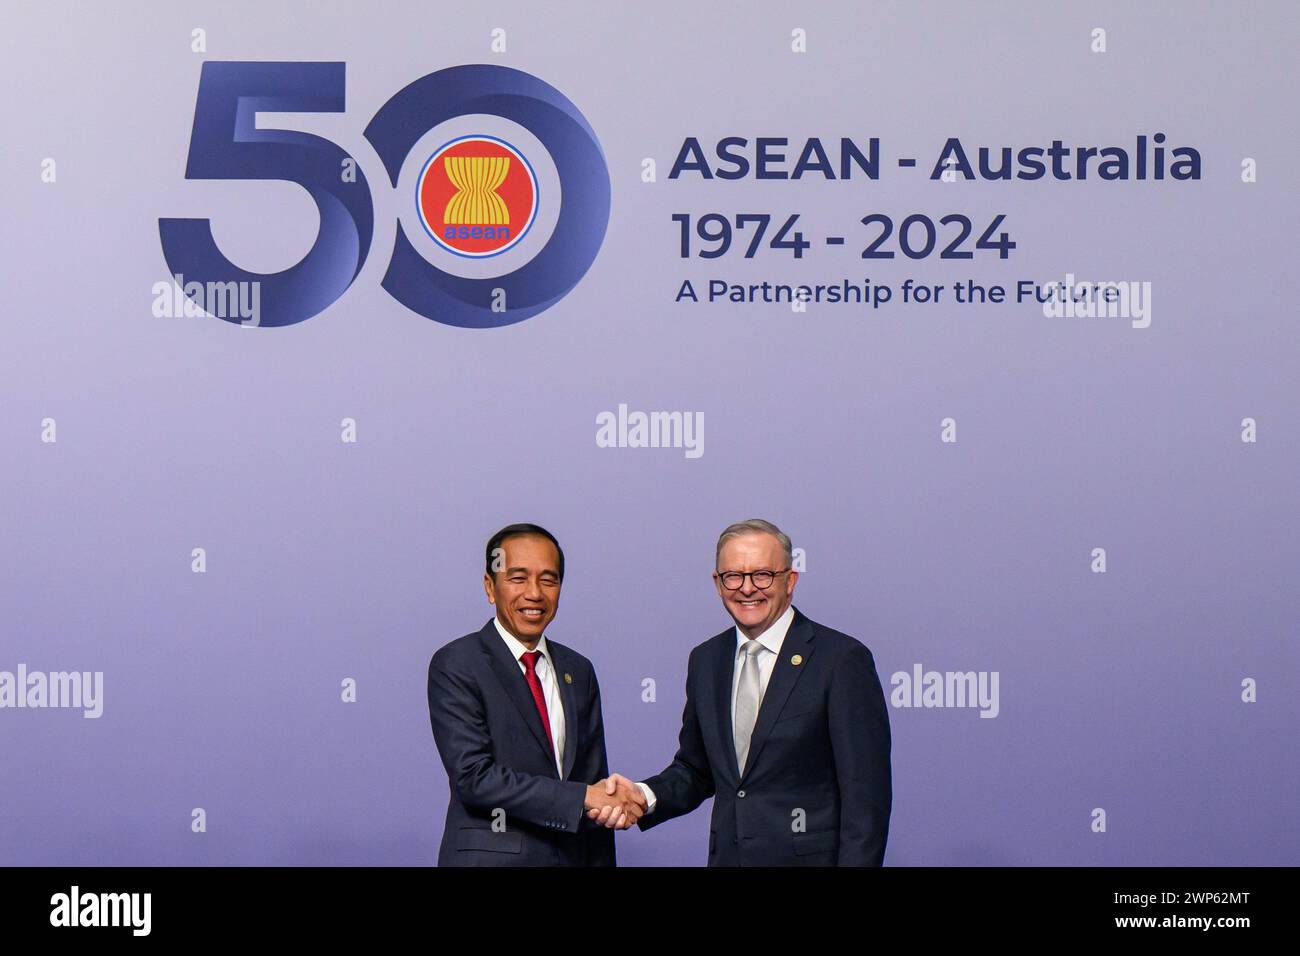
{"x":491,"y":740}
{"x":816,"y":790}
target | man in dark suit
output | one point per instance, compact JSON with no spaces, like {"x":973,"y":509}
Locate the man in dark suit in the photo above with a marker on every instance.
{"x":516,"y":719}
{"x":785,"y":726}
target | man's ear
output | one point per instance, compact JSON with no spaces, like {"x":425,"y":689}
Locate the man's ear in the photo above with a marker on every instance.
{"x":717,"y":583}
{"x":489,"y":588}
{"x":794,"y":577}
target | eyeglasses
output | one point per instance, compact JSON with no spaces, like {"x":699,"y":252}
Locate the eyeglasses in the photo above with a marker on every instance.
{"x":735,"y":580}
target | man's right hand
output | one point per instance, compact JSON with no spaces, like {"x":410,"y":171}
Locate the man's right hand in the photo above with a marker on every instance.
{"x":615,"y":802}
{"x":622,"y":804}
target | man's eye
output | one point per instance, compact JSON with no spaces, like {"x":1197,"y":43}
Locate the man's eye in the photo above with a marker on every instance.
{"x":517,"y":580}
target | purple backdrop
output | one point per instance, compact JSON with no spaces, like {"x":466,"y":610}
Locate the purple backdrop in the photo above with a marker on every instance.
{"x":328,"y":560}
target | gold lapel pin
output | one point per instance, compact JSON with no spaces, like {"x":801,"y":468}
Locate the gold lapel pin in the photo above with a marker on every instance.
{"x":796,"y":660}
{"x":568,"y":678}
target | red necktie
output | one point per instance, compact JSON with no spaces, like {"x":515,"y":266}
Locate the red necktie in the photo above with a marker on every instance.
{"x":530,"y":674}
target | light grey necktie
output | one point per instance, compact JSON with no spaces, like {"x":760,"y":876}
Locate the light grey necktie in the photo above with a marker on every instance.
{"x":748,"y":696}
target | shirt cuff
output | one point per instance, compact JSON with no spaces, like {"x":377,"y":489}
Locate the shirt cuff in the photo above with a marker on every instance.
{"x":649,"y":797}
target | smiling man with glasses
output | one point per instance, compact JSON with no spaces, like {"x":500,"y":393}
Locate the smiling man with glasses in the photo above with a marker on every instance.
{"x":785,"y":726}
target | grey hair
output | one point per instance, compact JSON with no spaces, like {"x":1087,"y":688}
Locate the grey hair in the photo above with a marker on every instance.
{"x":754,"y":526}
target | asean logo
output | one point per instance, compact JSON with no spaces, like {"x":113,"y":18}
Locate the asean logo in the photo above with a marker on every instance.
{"x":477,"y":196}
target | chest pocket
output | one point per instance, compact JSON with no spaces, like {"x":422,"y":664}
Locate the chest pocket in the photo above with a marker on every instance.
{"x":799,"y":721}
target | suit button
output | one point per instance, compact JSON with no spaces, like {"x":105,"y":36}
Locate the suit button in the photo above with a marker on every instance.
{"x":741,"y":793}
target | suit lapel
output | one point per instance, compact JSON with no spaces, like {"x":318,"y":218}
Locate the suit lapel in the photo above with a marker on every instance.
{"x":798,"y":640}
{"x":515,"y":684}
{"x":724,"y":664}
{"x":570,"y":704}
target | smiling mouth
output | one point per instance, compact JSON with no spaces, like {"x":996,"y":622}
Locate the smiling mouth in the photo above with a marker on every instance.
{"x":754,"y":603}
{"x":531,"y":613}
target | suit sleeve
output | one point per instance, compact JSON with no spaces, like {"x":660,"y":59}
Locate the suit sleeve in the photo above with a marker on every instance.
{"x":688,"y":780}
{"x":860,"y":743}
{"x":461,"y":732}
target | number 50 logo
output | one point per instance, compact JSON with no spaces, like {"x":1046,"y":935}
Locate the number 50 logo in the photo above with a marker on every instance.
{"x":227,"y":144}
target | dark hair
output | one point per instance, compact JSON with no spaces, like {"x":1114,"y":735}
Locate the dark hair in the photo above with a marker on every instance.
{"x":518,"y":531}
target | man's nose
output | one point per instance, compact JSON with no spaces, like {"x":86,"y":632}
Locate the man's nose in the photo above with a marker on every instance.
{"x":533,"y":590}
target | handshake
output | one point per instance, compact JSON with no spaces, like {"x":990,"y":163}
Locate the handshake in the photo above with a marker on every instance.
{"x":615,"y":802}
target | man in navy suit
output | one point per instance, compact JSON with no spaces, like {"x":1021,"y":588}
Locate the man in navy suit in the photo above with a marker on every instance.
{"x":785,"y":726}
{"x":516,"y":718}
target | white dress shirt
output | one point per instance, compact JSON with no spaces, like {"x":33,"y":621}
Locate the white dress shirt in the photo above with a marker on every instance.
{"x":550,"y":687}
{"x":771,"y":639}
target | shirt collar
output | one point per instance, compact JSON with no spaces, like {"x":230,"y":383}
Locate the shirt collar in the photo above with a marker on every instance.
{"x":774,"y":636}
{"x":517,"y":649}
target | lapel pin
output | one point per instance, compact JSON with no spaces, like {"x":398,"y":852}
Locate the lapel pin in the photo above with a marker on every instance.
{"x":796,"y":660}
{"x":568,"y":678}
